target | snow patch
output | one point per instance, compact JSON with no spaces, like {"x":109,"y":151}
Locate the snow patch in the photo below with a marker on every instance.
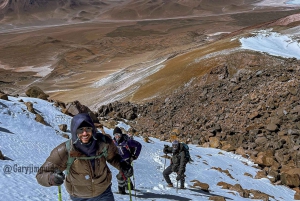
{"x":273,"y":43}
{"x":41,"y":71}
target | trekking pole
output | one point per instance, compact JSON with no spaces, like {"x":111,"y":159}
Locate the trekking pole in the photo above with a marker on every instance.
{"x":59,"y":193}
{"x":128,"y":181}
{"x":165,"y":164}
{"x":177,"y":187}
{"x":165,"y":161}
{"x":129,"y":188}
{"x":134,"y":182}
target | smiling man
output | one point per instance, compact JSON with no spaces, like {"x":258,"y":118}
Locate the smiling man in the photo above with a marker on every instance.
{"x":84,"y":132}
{"x":88,"y":175}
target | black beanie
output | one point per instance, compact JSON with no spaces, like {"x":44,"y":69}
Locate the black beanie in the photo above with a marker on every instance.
{"x":84,"y":124}
{"x":117,"y":130}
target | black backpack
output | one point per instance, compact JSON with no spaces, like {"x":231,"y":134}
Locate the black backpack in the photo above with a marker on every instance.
{"x":185,"y":148}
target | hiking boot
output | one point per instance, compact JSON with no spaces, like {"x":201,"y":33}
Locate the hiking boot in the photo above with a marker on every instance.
{"x":170,"y":185}
{"x":182,"y":187}
{"x":122,"y":190}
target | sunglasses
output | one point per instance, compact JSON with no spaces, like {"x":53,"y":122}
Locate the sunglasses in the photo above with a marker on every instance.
{"x":81,"y":130}
{"x":117,"y":135}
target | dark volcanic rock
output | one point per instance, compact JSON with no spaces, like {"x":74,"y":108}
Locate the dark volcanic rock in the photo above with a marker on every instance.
{"x":253,"y":111}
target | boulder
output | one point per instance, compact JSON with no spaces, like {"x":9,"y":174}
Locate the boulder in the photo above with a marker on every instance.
{"x":36,"y":92}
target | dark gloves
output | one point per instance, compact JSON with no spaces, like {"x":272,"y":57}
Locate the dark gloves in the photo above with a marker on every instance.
{"x":56,"y":178}
{"x":132,"y":158}
{"x":128,"y":173}
{"x":126,"y":169}
{"x":166,"y":149}
{"x":178,"y":177}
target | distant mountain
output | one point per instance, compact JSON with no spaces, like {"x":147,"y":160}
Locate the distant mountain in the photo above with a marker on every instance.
{"x":40,"y":5}
{"x":124,"y":54}
{"x":34,"y":11}
{"x":175,"y":8}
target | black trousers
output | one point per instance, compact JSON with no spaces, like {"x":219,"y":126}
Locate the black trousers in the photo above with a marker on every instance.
{"x":166,"y":174}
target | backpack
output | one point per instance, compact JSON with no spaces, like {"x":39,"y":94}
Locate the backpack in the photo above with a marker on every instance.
{"x":185,"y":148}
{"x":72,"y":159}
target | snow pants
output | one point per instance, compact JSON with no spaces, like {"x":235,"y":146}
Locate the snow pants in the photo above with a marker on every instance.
{"x":166,"y":174}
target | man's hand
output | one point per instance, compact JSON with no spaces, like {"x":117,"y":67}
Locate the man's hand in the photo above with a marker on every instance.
{"x":178,"y":177}
{"x":165,"y":149}
{"x":126,"y":169}
{"x":56,"y":178}
{"x":128,"y":173}
{"x":132,"y":158}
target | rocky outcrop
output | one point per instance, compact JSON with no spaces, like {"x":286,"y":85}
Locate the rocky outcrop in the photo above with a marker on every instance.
{"x":3,"y":96}
{"x":246,"y":193}
{"x":30,"y":108}
{"x":63,"y":127}
{"x":252,"y":110}
{"x":36,"y":92}
{"x":75,"y":107}
{"x":39,"y":118}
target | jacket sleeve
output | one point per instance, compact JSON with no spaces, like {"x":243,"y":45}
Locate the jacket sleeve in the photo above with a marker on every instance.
{"x":135,"y":147}
{"x":182,"y":163}
{"x":168,"y":149}
{"x":57,"y":160}
{"x":113,"y":156}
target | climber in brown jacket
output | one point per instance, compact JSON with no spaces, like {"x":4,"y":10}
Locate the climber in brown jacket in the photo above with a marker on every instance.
{"x":87,"y":179}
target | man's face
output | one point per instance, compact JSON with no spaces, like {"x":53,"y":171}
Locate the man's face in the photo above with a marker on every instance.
{"x":84,"y":134}
{"x":117,"y":136}
{"x":175,"y":147}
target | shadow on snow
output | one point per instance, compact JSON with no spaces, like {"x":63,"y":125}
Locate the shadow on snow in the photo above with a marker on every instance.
{"x":145,"y":194}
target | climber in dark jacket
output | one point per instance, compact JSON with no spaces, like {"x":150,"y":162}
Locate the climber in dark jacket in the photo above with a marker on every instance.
{"x":129,"y":150}
{"x":178,"y":163}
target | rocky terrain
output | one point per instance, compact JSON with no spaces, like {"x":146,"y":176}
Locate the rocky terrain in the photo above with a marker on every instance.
{"x":249,"y":105}
{"x":249,"y":108}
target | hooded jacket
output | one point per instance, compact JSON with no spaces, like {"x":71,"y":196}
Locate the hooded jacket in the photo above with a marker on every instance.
{"x":128,"y":148}
{"x":83,"y":180}
{"x":178,"y":160}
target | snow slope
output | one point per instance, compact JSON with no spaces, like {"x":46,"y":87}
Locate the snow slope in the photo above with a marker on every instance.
{"x":28,"y":143}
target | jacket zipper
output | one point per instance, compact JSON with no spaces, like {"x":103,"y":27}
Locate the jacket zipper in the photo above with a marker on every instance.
{"x":91,"y":175}
{"x":92,"y":171}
